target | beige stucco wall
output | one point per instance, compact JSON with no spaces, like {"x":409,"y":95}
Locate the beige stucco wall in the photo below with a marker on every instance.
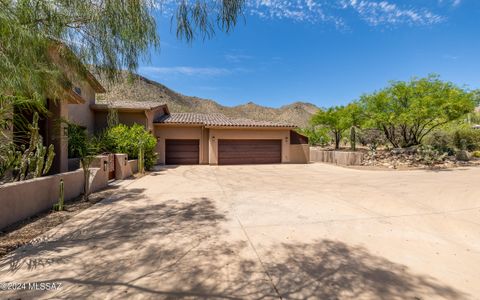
{"x":300,"y":154}
{"x":163,"y":133}
{"x":122,"y":167}
{"x":20,"y":200}
{"x":151,"y":116}
{"x":336,"y":157}
{"x":99,"y":173}
{"x":248,"y":133}
{"x":81,"y":114}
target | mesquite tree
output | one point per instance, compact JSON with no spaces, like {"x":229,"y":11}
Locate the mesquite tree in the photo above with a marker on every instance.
{"x":408,"y":111}
{"x":332,"y":119}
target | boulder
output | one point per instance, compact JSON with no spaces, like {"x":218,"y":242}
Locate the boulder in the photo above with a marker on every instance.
{"x":463,"y":155}
{"x":398,"y":151}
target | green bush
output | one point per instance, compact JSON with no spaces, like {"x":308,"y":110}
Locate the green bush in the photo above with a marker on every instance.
{"x":316,"y":136}
{"x":76,"y":140}
{"x":476,"y":154}
{"x":442,"y":141}
{"x":127,"y":139}
{"x":467,"y":139}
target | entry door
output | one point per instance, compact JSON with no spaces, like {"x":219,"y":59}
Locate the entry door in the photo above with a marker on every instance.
{"x":182,"y":152}
{"x":238,"y":152}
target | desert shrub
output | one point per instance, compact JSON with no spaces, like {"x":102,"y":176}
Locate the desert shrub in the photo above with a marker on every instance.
{"x":429,"y":155}
{"x":372,"y":138}
{"x":127,"y":139}
{"x":467,"y":139}
{"x":476,"y":154}
{"x":442,"y":141}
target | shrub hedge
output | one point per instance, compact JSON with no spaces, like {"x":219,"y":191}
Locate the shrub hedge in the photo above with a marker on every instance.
{"x":127,"y":139}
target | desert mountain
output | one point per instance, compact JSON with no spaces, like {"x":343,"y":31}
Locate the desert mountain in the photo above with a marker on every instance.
{"x":138,"y":88}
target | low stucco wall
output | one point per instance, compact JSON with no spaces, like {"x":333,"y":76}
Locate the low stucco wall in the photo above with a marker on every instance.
{"x":299,"y":154}
{"x":336,"y":157}
{"x":133,"y":165}
{"x":122,"y":167}
{"x":99,"y":173}
{"x":23,"y":199}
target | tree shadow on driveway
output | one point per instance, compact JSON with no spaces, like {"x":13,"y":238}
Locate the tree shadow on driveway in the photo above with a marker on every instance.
{"x":180,"y":249}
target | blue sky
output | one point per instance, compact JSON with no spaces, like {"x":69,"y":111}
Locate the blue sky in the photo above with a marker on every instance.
{"x":326,"y":52}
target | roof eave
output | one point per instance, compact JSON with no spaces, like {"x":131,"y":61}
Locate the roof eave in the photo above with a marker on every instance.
{"x":248,"y":127}
{"x":74,"y":98}
{"x":96,"y":85}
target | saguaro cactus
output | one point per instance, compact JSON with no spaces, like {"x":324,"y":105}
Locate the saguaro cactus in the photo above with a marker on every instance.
{"x":61,"y":198}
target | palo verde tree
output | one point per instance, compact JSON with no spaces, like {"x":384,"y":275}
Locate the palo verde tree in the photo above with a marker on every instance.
{"x":408,"y":111}
{"x":332,"y":119}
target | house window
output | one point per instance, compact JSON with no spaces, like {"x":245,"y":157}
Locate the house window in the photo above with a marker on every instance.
{"x":77,"y":90}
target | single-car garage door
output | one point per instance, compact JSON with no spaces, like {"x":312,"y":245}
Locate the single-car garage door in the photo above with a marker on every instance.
{"x":237,"y":152}
{"x":181,"y":152}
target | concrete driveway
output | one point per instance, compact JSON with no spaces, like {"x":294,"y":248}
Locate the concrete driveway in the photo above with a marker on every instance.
{"x":266,"y":232}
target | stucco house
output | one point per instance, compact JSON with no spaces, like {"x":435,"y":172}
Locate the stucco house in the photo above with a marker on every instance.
{"x":194,"y":138}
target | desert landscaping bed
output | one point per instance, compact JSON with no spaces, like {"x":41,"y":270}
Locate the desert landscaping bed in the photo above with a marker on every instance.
{"x":392,"y":159}
{"x":408,"y":161}
{"x":21,"y":233}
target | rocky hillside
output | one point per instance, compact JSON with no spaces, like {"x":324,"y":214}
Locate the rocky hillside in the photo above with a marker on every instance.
{"x":138,"y":88}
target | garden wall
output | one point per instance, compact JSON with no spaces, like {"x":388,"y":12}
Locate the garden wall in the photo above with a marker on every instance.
{"x":133,"y":165}
{"x":23,"y":199}
{"x":299,"y":154}
{"x":336,"y":157}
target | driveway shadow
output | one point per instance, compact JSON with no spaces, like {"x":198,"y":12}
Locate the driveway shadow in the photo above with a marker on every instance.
{"x":181,"y":250}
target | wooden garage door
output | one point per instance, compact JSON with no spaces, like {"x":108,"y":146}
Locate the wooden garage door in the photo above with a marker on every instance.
{"x":236,"y":152}
{"x":181,"y":152}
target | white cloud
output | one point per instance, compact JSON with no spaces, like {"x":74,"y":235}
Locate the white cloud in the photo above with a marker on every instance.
{"x":384,"y":12}
{"x":236,"y":58}
{"x":340,"y":12}
{"x":373,"y":12}
{"x":450,"y":2}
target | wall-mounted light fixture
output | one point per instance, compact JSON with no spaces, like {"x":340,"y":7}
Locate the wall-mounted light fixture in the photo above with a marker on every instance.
{"x":105,"y":164}
{"x":126,"y":159}
{"x":65,"y":131}
{"x":213,"y":138}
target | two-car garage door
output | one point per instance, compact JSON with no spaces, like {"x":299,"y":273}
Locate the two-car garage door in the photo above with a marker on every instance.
{"x":230,"y":152}
{"x":237,"y":152}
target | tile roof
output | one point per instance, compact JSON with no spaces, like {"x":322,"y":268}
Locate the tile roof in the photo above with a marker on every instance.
{"x":140,"y":105}
{"x":215,"y":119}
